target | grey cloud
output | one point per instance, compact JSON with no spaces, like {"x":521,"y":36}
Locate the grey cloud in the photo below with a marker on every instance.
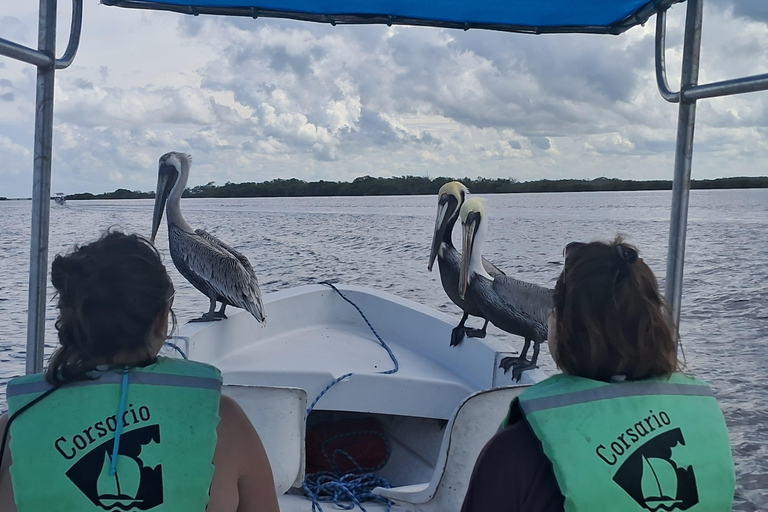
{"x":82,"y":83}
{"x":655,"y":146}
{"x":190,"y":26}
{"x":14,"y":29}
{"x":540,"y":142}
{"x":339,"y":93}
{"x":301,"y":64}
{"x":374,"y":129}
{"x":756,"y":10}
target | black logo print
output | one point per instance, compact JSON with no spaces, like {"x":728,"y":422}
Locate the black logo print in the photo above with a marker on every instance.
{"x":138,"y":481}
{"x":654,"y":480}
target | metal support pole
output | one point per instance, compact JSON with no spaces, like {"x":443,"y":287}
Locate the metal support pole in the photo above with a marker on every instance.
{"x":728,"y":87}
{"x":681,"y":184}
{"x":41,"y":190}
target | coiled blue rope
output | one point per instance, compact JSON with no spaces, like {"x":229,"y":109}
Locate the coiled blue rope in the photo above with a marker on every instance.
{"x":346,"y":490}
{"x":350,"y":489}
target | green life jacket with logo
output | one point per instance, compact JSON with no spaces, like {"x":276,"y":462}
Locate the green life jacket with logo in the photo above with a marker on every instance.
{"x":62,"y":446}
{"x":657,"y":444}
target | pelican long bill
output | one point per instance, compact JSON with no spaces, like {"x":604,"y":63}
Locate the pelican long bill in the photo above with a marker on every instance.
{"x":164,"y":185}
{"x":469,"y":230}
{"x":444,"y":212}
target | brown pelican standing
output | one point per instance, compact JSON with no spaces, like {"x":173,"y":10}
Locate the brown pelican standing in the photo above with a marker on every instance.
{"x":213,"y":267}
{"x":450,"y":198}
{"x":510,"y":304}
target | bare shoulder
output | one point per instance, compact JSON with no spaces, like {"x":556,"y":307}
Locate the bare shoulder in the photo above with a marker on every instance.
{"x":243,"y":448}
{"x":233,"y":417}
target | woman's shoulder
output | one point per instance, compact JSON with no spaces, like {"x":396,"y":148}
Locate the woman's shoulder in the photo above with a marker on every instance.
{"x":512,"y":474}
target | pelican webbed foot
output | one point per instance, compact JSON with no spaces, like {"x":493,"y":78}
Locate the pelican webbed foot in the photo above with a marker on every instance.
{"x":458,"y":332}
{"x":208,"y":317}
{"x":457,"y":335}
{"x":518,"y":365}
{"x":508,"y":362}
{"x":476,"y":333}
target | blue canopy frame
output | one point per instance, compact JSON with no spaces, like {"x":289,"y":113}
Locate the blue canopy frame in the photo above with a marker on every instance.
{"x":529,"y":16}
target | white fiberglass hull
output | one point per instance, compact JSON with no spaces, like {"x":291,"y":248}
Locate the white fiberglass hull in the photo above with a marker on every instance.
{"x":312,"y":336}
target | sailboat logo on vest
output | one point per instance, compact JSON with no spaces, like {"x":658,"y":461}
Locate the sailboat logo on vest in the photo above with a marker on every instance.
{"x":136,"y":485}
{"x":650,"y":475}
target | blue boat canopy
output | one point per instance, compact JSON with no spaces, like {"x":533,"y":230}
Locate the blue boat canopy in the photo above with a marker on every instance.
{"x":529,"y":16}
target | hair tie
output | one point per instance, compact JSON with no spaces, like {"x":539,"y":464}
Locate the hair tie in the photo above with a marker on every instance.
{"x":627,"y":254}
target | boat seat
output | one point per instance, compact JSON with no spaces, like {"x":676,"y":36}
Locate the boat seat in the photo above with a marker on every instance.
{"x":277,"y":413}
{"x":475,"y":421}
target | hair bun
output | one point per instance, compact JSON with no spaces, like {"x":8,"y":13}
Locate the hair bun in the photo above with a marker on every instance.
{"x":627,"y":254}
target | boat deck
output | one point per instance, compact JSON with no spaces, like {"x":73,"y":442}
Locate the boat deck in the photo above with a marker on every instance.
{"x":313,"y":337}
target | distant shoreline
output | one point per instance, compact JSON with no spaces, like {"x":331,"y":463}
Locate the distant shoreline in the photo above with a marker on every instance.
{"x":413,"y":185}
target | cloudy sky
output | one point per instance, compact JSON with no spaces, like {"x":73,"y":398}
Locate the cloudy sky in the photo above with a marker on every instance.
{"x":254,"y":100}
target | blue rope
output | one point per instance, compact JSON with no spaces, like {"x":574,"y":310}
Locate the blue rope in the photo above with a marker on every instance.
{"x":329,"y":386}
{"x":348,"y":490}
{"x":176,"y":348}
{"x":345,"y":491}
{"x":381,"y":342}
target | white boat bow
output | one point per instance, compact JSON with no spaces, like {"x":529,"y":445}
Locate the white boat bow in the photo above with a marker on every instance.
{"x":440,"y":397}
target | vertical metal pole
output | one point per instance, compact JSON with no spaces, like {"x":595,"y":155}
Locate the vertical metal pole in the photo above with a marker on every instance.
{"x":681,"y":184}
{"x":41,"y":190}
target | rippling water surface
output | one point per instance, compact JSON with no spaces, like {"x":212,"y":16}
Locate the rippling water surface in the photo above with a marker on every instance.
{"x":383,"y":243}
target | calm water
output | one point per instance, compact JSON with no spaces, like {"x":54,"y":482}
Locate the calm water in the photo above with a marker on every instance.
{"x":384,"y":243}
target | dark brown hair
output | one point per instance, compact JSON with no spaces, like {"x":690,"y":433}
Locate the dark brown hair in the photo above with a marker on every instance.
{"x":610,"y":317}
{"x":110,"y":292}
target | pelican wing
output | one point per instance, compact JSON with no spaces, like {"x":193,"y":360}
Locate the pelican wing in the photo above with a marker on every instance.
{"x":492,"y":269}
{"x":237,"y":254}
{"x":214,"y":262}
{"x":531,"y":299}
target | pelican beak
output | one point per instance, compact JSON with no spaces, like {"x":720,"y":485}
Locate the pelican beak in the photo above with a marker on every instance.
{"x":446,"y":206}
{"x":469,"y":226}
{"x":166,"y":179}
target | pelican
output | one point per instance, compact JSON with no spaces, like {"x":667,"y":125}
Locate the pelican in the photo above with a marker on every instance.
{"x":450,"y":198}
{"x":213,"y":267}
{"x":510,"y":304}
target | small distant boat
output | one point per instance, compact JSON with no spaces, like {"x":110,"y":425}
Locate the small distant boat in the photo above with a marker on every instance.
{"x":60,"y":198}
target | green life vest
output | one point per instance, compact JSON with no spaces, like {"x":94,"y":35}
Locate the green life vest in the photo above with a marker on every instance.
{"x":62,"y":446}
{"x":657,"y":444}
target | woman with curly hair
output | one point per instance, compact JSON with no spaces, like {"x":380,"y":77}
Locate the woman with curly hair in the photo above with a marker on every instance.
{"x":621,"y":429}
{"x":112,"y":426}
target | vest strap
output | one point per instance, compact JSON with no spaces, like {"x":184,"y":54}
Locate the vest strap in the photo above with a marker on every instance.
{"x":608,"y":392}
{"x":151,"y":379}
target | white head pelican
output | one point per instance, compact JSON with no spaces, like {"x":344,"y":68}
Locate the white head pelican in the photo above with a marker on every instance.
{"x":450,"y":198}
{"x":510,"y":304}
